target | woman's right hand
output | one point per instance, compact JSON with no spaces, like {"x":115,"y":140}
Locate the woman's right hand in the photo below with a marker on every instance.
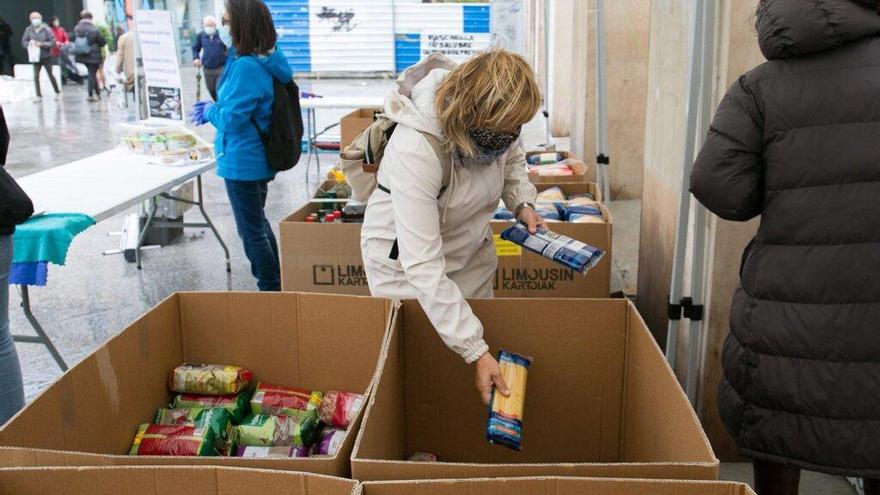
{"x":488,"y":374}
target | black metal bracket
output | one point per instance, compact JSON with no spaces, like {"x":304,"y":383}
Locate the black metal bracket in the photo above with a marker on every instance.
{"x":603,"y":159}
{"x":673,"y":311}
{"x":693,"y":312}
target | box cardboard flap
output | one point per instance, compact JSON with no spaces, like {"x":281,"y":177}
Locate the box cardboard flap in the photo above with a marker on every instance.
{"x":649,"y":382}
{"x":157,"y":480}
{"x":554,"y":486}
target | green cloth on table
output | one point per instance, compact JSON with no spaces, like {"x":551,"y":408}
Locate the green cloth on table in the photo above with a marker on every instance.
{"x":47,"y":237}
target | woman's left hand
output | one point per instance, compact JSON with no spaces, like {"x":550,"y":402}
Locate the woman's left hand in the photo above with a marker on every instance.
{"x":530,"y":218}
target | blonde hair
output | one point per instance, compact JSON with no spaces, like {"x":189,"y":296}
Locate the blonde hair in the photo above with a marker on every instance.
{"x":494,"y":90}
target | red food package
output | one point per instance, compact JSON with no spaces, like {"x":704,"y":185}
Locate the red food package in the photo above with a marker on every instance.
{"x":173,"y":440}
{"x":339,"y":409}
{"x":285,"y":401}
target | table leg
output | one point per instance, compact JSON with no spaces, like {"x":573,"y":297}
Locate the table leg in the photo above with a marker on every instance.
{"x":41,"y":337}
{"x":143,"y":236}
{"x":211,"y":224}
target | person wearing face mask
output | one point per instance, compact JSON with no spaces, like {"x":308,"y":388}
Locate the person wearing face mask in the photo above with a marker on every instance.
{"x":242,"y":112}
{"x":209,"y":53}
{"x":422,"y":241}
{"x":61,"y":39}
{"x":40,"y":35}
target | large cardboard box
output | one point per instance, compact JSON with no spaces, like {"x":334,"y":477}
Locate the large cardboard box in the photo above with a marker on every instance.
{"x":555,"y":486}
{"x":601,"y":400}
{"x":326,"y":258}
{"x":167,"y":480}
{"x":353,"y":124}
{"x":585,"y":173}
{"x":90,"y":415}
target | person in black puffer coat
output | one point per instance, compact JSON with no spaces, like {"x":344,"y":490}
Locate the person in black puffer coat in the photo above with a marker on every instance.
{"x":797,"y":141}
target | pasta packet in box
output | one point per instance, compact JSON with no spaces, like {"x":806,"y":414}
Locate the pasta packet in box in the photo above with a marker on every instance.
{"x":562,"y":249}
{"x":209,"y":379}
{"x":339,"y":409}
{"x":237,"y":405}
{"x":506,"y":413}
{"x":286,"y":401}
{"x":329,"y":442}
{"x":271,"y":452}
{"x":174,"y":440}
{"x":266,"y":430}
{"x":219,"y":420}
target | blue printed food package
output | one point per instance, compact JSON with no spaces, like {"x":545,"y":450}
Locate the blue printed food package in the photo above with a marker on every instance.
{"x":562,"y":249}
{"x":506,"y":413}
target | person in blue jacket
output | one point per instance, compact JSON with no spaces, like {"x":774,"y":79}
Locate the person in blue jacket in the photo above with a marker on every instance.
{"x":244,"y":102}
{"x":209,"y":53}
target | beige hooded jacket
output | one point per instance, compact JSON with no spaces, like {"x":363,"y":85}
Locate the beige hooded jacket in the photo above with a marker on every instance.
{"x":446,"y":250}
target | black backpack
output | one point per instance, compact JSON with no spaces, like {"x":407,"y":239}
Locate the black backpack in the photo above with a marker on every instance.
{"x":283,"y":139}
{"x":15,"y":205}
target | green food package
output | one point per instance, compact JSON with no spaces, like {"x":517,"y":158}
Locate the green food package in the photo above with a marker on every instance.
{"x":237,"y":405}
{"x":219,"y":420}
{"x":209,"y":379}
{"x":286,"y":401}
{"x":173,"y":440}
{"x":263,"y":430}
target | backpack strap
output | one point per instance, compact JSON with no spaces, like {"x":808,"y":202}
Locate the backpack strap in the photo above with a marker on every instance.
{"x":445,"y":160}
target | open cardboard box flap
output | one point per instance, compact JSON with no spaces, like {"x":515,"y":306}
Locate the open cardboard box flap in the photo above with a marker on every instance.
{"x":321,"y":342}
{"x":555,"y":486}
{"x":601,"y":399}
{"x":167,"y":480}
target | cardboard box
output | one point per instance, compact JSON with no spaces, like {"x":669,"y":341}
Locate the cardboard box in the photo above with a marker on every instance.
{"x":90,"y":415}
{"x":326,"y":258}
{"x":555,"y":486}
{"x":166,"y":480}
{"x":353,"y":124}
{"x":584,"y":173}
{"x":601,"y":399}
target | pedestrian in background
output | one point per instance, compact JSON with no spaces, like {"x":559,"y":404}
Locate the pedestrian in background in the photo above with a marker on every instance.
{"x":6,"y":59}
{"x":242,"y":112}
{"x":15,"y":207}
{"x":209,"y":54}
{"x":61,"y":39}
{"x":125,"y":55}
{"x":39,"y":35}
{"x":87,"y":47}
{"x":795,"y":141}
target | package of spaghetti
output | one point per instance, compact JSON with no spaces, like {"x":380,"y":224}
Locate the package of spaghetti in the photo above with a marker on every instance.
{"x":550,"y":195}
{"x":329,"y":441}
{"x":285,"y":401}
{"x":562,"y":249}
{"x":219,"y":420}
{"x":176,"y":440}
{"x":237,"y":405}
{"x":506,"y":413}
{"x":574,"y":210}
{"x":266,"y":430}
{"x":339,"y":409}
{"x":208,"y":379}
{"x":271,"y":452}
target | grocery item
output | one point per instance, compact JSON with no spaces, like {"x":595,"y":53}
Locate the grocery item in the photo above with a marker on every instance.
{"x":550,"y":195}
{"x":209,"y":379}
{"x":219,"y":420}
{"x":176,"y":440}
{"x":423,"y":457}
{"x":583,"y":208}
{"x":237,"y":405}
{"x":562,"y":249}
{"x":266,"y":430}
{"x":271,"y":452}
{"x":340,"y":408}
{"x":586,"y":219}
{"x":329,"y":441}
{"x":294,"y":402}
{"x":545,"y":158}
{"x":353,"y":212}
{"x":169,"y":143}
{"x":506,"y":413}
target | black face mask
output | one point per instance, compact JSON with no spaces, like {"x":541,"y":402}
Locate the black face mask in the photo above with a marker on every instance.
{"x":492,"y":144}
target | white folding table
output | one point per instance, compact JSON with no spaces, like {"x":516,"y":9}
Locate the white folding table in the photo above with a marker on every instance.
{"x":330,"y":102}
{"x":102,"y":186}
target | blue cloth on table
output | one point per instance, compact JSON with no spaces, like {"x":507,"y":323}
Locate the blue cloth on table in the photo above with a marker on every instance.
{"x":34,"y":273}
{"x":47,"y":237}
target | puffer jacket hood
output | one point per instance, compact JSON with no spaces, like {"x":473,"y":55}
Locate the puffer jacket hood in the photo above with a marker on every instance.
{"x":412,"y":103}
{"x":791,"y":28}
{"x":276,"y":64}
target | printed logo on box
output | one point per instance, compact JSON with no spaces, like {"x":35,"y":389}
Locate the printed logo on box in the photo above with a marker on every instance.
{"x":531,"y":278}
{"x":344,"y":275}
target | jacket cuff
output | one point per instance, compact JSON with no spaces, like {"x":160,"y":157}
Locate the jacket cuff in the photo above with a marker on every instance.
{"x":475,"y":351}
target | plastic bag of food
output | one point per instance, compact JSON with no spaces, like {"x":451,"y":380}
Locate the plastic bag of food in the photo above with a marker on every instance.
{"x":285,"y":401}
{"x":329,"y":441}
{"x":266,"y":430}
{"x":340,"y":408}
{"x":271,"y":452}
{"x":550,"y":195}
{"x":506,"y":413}
{"x":585,"y":219}
{"x":237,"y":405}
{"x":209,"y":379}
{"x":545,"y":158}
{"x":562,"y":249}
{"x":219,"y":420}
{"x":174,"y":440}
{"x":579,"y":209}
